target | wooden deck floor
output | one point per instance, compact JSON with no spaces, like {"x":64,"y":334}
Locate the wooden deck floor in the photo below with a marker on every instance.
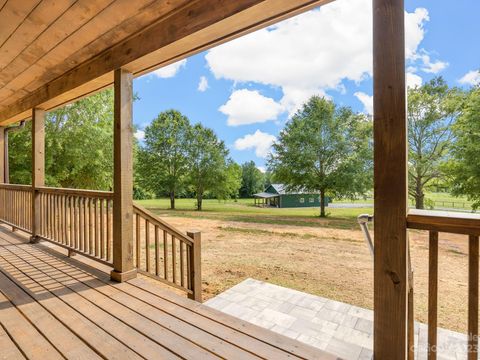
{"x":55,"y":307}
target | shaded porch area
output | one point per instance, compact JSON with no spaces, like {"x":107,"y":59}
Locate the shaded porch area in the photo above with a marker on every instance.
{"x":54,"y":306}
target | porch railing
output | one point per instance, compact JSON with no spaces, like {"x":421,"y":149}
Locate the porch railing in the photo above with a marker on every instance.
{"x":79,"y":220}
{"x":166,"y":254}
{"x":16,"y":206}
{"x":82,"y":222}
{"x":457,"y":223}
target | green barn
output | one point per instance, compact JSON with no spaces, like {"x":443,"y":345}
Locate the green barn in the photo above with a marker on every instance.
{"x":276,"y":195}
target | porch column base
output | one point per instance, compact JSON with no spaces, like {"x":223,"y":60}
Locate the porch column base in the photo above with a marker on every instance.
{"x":123,"y":276}
{"x":34,"y":239}
{"x":71,"y":253}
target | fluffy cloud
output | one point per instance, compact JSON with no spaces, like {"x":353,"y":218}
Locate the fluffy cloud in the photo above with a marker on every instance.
{"x":260,"y":141}
{"x":311,"y":53}
{"x":413,"y":80}
{"x":262,"y":169}
{"x":170,"y":70}
{"x":139,"y":134}
{"x":432,"y":67}
{"x":249,"y":107}
{"x":366,"y":100}
{"x":470,"y":78}
{"x":203,"y":84}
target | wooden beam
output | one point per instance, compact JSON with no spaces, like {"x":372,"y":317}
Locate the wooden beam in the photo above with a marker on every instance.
{"x":390,"y":178}
{"x":38,"y":166}
{"x":123,"y":269}
{"x":2,"y":154}
{"x":188,"y":30}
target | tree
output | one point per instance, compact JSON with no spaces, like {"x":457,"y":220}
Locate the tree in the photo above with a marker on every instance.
{"x":78,"y":145}
{"x":252,"y":180}
{"x":163,"y":159}
{"x":432,"y":109}
{"x":232,"y":183}
{"x":207,"y":162}
{"x":325,"y":149}
{"x":463,"y":168}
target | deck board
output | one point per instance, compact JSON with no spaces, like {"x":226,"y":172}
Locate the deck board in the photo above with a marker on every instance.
{"x":71,"y":310}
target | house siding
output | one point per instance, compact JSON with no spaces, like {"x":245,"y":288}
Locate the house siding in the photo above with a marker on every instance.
{"x":294,"y":200}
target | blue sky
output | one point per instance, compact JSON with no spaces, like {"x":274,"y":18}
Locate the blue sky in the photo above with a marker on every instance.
{"x":246,"y":89}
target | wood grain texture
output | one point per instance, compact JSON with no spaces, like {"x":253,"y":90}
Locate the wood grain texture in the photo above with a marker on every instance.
{"x":123,"y":173}
{"x":390,"y":180}
{"x":186,"y":30}
{"x":129,"y":320}
{"x":444,"y":221}
{"x":38,"y":165}
{"x":432,"y":294}
{"x":473,"y":278}
{"x":2,"y":154}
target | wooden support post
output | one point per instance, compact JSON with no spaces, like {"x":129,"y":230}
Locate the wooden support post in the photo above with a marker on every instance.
{"x":390,"y":179}
{"x":196,"y":265}
{"x":2,"y":154}
{"x":38,"y":167}
{"x":473,"y":276}
{"x":123,"y":269}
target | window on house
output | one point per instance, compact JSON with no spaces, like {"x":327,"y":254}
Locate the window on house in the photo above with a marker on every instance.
{"x":311,"y":200}
{"x":302,"y":200}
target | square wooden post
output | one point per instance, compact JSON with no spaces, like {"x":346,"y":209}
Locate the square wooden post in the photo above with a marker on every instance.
{"x":123,"y":269}
{"x":2,"y":154}
{"x":38,"y":167}
{"x":390,"y":178}
{"x":196,"y":265}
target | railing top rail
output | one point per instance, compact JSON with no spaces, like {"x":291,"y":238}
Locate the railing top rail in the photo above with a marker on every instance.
{"x":155,"y":220}
{"x":76,"y":192}
{"x":16,"y":187}
{"x":444,"y":221}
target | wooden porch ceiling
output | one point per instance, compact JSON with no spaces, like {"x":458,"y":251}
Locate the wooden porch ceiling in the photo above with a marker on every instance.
{"x":53,"y":52}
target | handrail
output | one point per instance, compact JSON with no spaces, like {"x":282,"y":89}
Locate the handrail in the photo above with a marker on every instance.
{"x":155,"y":220}
{"x":16,"y":187}
{"x":166,"y":254}
{"x":75,"y":192}
{"x":455,"y":223}
{"x":444,"y":221}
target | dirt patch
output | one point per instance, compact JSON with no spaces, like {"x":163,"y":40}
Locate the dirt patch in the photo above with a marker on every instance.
{"x":332,"y":263}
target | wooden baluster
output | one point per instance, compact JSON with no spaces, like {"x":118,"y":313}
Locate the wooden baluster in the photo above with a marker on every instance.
{"x":90,"y":227}
{"x":473,"y":297}
{"x":196,"y":266}
{"x":81,"y":225}
{"x":165,"y":255}
{"x":432,"y":294}
{"x":85,"y":226}
{"x":174,"y":260}
{"x":157,"y":252}
{"x":137,"y":238}
{"x":97,"y":240}
{"x":109,"y":233}
{"x":147,"y":244}
{"x":72,"y":235}
{"x":65,"y":218}
{"x":102,"y":230}
{"x":182,"y":272}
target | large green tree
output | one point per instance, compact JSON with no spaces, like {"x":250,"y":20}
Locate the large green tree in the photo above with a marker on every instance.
{"x":252,"y":180}
{"x":324,"y":148}
{"x":232,"y":182}
{"x":163,"y":159}
{"x":207,"y":162}
{"x":464,"y":166}
{"x":432,"y":108}
{"x":78,"y":146}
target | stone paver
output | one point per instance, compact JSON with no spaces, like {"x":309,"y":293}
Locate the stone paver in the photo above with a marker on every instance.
{"x":341,"y":329}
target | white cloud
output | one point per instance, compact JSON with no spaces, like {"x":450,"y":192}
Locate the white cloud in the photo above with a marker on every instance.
{"x":366,"y":100}
{"x":170,"y":70}
{"x":433,"y":67}
{"x":262,"y":169}
{"x":260,"y":141}
{"x":203,"y":84}
{"x":470,"y":78}
{"x":139,"y":134}
{"x":413,"y":80}
{"x":311,"y":53}
{"x":249,"y":107}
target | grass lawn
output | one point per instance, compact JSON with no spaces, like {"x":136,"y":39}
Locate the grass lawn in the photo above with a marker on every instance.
{"x":244,"y":210}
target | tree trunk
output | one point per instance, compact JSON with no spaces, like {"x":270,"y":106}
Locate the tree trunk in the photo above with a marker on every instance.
{"x":322,"y":203}
{"x":419,"y":195}
{"x":199,"y":201}
{"x":172,"y":200}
